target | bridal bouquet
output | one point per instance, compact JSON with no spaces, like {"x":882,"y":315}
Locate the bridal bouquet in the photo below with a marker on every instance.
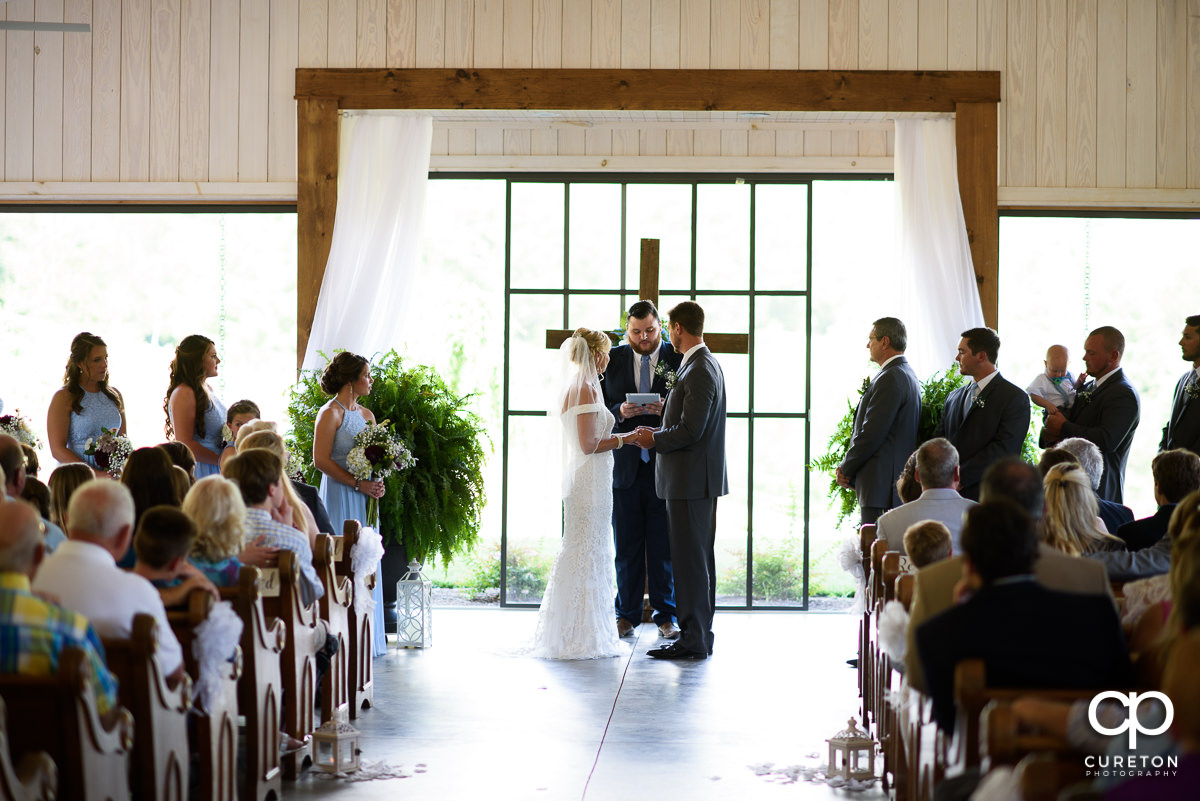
{"x":18,"y":427}
{"x":110,"y":450}
{"x":377,"y":453}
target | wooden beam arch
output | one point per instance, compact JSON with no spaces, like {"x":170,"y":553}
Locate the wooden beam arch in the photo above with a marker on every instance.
{"x":321,"y":94}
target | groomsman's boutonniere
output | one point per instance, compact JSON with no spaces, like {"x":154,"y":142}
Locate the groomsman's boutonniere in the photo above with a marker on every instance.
{"x":866,"y":384}
{"x":1084,"y":396}
{"x":666,"y":374}
{"x":978,"y":403}
{"x":1191,"y":391}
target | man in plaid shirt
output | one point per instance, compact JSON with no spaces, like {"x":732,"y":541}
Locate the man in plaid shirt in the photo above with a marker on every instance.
{"x":34,"y":632}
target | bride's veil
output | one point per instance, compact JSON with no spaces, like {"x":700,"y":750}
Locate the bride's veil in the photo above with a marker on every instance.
{"x":579,"y":384}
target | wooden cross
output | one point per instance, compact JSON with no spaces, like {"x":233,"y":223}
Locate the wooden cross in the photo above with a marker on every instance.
{"x":648,"y":290}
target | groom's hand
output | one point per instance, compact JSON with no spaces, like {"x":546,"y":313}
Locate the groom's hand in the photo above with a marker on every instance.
{"x":643,"y":437}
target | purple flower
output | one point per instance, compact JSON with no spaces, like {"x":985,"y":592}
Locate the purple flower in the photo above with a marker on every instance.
{"x":374,"y":453}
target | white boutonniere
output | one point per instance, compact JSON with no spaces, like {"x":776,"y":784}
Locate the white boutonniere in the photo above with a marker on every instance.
{"x":1192,"y":391}
{"x":866,"y":384}
{"x":667,"y":374}
{"x":1084,"y":396}
{"x":978,"y":403}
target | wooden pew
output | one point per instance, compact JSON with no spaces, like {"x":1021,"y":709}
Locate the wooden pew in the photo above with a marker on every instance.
{"x":58,"y":716}
{"x":870,"y":668}
{"x":260,"y":688}
{"x":33,"y":777}
{"x":866,"y":537}
{"x":887,"y":681}
{"x":214,"y":735}
{"x":161,"y":756}
{"x":334,"y":606}
{"x":361,"y":678}
{"x":298,"y":664}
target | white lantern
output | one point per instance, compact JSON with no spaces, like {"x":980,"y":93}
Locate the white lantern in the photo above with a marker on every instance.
{"x":857,"y":752}
{"x":414,"y":609}
{"x":335,"y":747}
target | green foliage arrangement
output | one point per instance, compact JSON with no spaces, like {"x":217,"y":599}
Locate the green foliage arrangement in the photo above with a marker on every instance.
{"x":934,"y":392}
{"x":434,"y":507}
{"x":528,"y":573}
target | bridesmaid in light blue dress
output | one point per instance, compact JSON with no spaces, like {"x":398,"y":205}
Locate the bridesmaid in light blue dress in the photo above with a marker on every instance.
{"x":347,"y":378}
{"x":86,"y":403}
{"x":195,"y":415}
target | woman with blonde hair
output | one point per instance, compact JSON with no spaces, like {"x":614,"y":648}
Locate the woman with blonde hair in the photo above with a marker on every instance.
{"x":1071,"y":522}
{"x":63,"y":482}
{"x":575,"y":620}
{"x":215,"y":505}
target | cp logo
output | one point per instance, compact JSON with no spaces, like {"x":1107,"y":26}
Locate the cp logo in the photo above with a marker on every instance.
{"x":1132,"y":724}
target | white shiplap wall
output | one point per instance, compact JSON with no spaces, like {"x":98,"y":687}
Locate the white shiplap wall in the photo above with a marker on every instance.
{"x":179,"y":98}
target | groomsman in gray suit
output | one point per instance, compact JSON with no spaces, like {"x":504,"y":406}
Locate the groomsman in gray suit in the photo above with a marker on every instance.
{"x":690,"y":475}
{"x":885,"y":423}
{"x":1183,"y":426}
{"x":987,"y":418}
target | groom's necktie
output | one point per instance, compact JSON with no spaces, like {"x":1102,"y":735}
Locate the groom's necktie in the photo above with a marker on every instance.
{"x":644,"y":386}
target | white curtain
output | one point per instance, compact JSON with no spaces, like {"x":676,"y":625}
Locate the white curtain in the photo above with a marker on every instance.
{"x":939,"y":298}
{"x":375,"y":251}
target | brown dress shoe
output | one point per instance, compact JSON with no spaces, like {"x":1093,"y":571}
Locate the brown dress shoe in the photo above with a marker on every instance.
{"x":668,"y":631}
{"x":624,"y":627}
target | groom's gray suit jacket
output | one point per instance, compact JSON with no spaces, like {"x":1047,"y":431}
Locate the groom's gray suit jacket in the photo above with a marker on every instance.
{"x":691,"y":442}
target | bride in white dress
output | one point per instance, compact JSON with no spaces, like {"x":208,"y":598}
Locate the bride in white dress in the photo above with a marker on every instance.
{"x":576,"y":617}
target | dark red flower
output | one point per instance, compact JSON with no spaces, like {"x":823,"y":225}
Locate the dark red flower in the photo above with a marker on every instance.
{"x":102,"y":459}
{"x":374,"y":453}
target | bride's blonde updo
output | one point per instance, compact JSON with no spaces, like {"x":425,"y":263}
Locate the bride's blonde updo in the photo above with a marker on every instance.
{"x":597,"y":343}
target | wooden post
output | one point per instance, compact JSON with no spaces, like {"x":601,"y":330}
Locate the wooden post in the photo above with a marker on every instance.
{"x":648,"y":280}
{"x":316,"y":196}
{"x":975,"y":133}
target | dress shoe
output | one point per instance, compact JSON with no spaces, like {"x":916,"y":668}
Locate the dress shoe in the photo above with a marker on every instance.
{"x":675,"y":651}
{"x":624,"y":627}
{"x":668,"y":631}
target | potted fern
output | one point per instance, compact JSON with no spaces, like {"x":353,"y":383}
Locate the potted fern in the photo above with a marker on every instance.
{"x":433,"y":508}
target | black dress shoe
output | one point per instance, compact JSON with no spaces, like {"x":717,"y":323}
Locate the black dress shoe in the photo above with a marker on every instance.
{"x":675,"y":651}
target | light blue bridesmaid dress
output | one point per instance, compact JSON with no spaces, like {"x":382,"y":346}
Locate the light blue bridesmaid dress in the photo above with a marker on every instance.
{"x":214,"y":421}
{"x":346,"y":503}
{"x":98,"y":412}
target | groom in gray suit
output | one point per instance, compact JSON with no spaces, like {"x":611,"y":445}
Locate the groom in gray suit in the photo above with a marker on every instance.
{"x":690,"y":476}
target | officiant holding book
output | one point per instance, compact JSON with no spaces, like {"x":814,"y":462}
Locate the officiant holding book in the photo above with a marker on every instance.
{"x":643,"y":366}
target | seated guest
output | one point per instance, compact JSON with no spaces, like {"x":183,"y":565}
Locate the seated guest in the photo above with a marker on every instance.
{"x":1176,"y":473}
{"x":907,"y":486}
{"x":1070,"y":523}
{"x":216,"y":508}
{"x":181,"y":456}
{"x":1088,"y":454}
{"x":937,"y":473}
{"x":151,"y":481}
{"x":236,"y":416}
{"x":252,"y":427}
{"x":12,"y":465}
{"x":933,"y":590}
{"x":83,"y":571}
{"x":38,"y":495}
{"x":307,"y":507}
{"x":162,"y":542}
{"x":180,"y":481}
{"x":258,"y":474}
{"x":1027,"y":635}
{"x":927,"y":542}
{"x":34,"y":631}
{"x":32,"y":464}
{"x":64,"y":480}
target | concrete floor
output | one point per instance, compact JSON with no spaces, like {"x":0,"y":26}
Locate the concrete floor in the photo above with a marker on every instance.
{"x":468,"y":720}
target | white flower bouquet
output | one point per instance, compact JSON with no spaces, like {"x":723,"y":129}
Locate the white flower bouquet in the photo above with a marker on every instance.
{"x":17,"y":426}
{"x":377,"y":454}
{"x":110,"y":450}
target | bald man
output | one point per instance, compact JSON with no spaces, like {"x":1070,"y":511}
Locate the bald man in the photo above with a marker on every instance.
{"x":83,"y":571}
{"x":34,"y":631}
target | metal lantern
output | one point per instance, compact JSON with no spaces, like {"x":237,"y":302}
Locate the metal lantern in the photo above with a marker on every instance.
{"x":414,"y":608}
{"x":857,"y":751}
{"x":335,"y":747}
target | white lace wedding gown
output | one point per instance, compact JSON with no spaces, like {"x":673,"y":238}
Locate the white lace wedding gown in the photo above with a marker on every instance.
{"x":577,"y":619}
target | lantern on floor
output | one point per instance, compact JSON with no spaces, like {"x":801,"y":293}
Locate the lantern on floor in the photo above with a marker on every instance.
{"x":335,"y":747}
{"x":414,"y":608}
{"x":857,"y":752}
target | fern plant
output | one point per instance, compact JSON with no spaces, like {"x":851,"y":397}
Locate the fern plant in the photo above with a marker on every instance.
{"x":434,"y":508}
{"x":934,"y":392}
